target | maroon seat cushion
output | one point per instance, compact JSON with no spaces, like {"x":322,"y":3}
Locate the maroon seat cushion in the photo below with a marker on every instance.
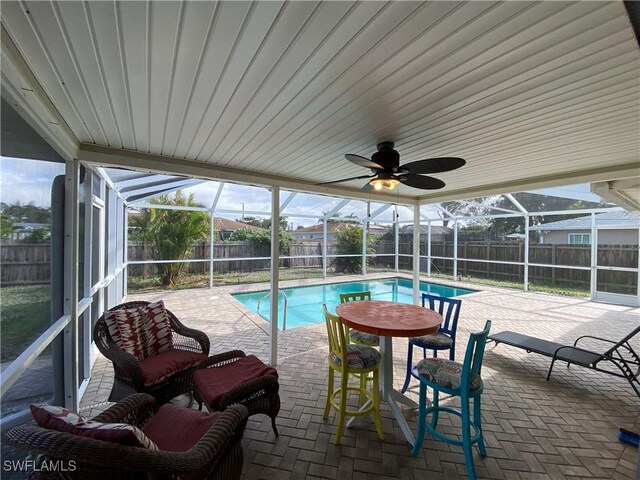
{"x":161,"y":366}
{"x":212,"y":383}
{"x":177,"y":429}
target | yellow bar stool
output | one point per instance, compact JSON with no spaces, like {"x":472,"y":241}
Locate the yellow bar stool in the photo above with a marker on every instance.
{"x":351,"y":360}
{"x":356,"y":336}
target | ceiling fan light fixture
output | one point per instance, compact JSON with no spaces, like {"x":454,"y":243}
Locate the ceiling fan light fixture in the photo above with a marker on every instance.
{"x":384,"y":183}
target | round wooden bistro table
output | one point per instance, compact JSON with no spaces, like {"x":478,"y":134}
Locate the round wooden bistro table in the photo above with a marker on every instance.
{"x":388,"y":320}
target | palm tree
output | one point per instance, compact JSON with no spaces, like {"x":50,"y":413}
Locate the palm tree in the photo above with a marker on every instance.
{"x":172,"y":234}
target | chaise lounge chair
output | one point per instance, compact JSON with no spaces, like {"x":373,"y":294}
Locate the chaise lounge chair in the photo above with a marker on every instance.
{"x":620,"y":354}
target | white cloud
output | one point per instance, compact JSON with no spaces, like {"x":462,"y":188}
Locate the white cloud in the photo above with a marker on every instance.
{"x":27,"y":181}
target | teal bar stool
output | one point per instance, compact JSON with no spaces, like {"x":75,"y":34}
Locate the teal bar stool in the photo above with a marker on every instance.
{"x":458,"y":380}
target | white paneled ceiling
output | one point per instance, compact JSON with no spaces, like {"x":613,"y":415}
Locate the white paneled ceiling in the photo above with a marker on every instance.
{"x":531,"y":94}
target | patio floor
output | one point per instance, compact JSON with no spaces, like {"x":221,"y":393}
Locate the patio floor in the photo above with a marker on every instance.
{"x":534,"y":429}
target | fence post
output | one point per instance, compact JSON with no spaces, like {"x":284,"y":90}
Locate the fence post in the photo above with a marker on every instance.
{"x":553,"y":262}
{"x":488,"y":255}
{"x":464,"y":268}
{"x":145,"y":257}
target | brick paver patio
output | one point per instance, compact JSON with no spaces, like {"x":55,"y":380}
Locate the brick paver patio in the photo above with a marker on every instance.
{"x":534,"y":429}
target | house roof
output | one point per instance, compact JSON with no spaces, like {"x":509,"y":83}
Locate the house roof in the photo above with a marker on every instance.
{"x":610,"y":219}
{"x":435,"y":230}
{"x":532,"y":95}
{"x":232,"y":225}
{"x":333,"y":227}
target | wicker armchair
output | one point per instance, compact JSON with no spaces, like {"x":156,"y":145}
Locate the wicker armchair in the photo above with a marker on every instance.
{"x":216,"y":455}
{"x":129,"y":370}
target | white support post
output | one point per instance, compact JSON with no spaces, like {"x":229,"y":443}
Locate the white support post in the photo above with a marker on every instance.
{"x":364,"y":248}
{"x":125,"y":257}
{"x":211,"y":245}
{"x":455,"y":249}
{"x":396,"y":240}
{"x":525,"y":213}
{"x":416,"y":253}
{"x":526,"y":252}
{"x":71,"y":364}
{"x":214,"y":204}
{"x":429,"y":248}
{"x":594,"y":258}
{"x":324,"y":248}
{"x":275,"y":273}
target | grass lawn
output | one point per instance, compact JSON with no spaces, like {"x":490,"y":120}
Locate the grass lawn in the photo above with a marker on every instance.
{"x":151,"y":283}
{"x":25,"y":312}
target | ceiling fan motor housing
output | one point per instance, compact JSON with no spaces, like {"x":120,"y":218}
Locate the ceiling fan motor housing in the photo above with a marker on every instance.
{"x":386,"y":156}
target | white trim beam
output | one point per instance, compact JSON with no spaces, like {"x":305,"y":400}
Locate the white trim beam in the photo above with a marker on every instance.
{"x":622,"y":171}
{"x":113,"y":157}
{"x":23,"y":91}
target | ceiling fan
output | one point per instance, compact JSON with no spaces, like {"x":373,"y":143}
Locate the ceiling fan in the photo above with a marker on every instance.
{"x":388,"y":173}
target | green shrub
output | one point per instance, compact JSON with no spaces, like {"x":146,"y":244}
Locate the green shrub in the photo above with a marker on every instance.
{"x":172,"y":234}
{"x":349,"y":242}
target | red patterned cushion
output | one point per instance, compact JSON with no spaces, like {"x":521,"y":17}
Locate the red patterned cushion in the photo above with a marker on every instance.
{"x":63,"y":420}
{"x":143,"y":332}
{"x":157,"y":329}
{"x":212,"y":383}
{"x":159,"y":367}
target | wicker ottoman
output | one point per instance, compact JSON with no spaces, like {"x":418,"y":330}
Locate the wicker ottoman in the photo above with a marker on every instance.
{"x":236,"y":378}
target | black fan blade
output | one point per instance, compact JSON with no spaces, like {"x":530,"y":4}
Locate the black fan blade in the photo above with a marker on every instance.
{"x":433,"y":165}
{"x":346,"y":179}
{"x":425,"y":183}
{"x":362,"y":161}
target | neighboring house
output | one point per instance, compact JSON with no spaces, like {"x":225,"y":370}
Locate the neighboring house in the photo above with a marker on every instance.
{"x":577,"y":231}
{"x":439,"y":234}
{"x":315,"y":232}
{"x":226,"y":227}
{"x":22,"y":229}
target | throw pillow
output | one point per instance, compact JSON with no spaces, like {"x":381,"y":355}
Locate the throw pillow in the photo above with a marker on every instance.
{"x":63,"y":420}
{"x":144,"y":331}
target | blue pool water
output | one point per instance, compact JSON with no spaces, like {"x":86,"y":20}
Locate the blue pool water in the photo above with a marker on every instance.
{"x":304,"y":304}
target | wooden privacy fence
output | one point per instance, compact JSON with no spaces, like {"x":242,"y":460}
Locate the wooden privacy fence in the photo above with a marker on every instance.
{"x":24,"y":264}
{"x":236,"y":252}
{"x":625,"y":256}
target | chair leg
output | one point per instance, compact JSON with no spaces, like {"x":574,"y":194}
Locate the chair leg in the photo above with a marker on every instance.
{"x":273,"y":425}
{"x":363,"y":388}
{"x":477,"y":420}
{"x":344,"y":383}
{"x":327,"y":406}
{"x":452,"y":352}
{"x":466,"y":437}
{"x":422,"y":413}
{"x":376,"y":404}
{"x":436,"y":403}
{"x":550,"y":368}
{"x":409,"y":365}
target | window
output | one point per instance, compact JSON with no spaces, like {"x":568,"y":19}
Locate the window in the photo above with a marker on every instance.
{"x":579,"y":239}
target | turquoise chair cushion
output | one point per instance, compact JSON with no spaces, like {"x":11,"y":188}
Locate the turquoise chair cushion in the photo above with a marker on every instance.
{"x":364,"y":338}
{"x":359,"y":356}
{"x":446,"y":373}
{"x":439,"y":340}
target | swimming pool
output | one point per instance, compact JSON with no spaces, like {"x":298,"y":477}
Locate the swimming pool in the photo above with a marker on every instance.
{"x":304,"y":304}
